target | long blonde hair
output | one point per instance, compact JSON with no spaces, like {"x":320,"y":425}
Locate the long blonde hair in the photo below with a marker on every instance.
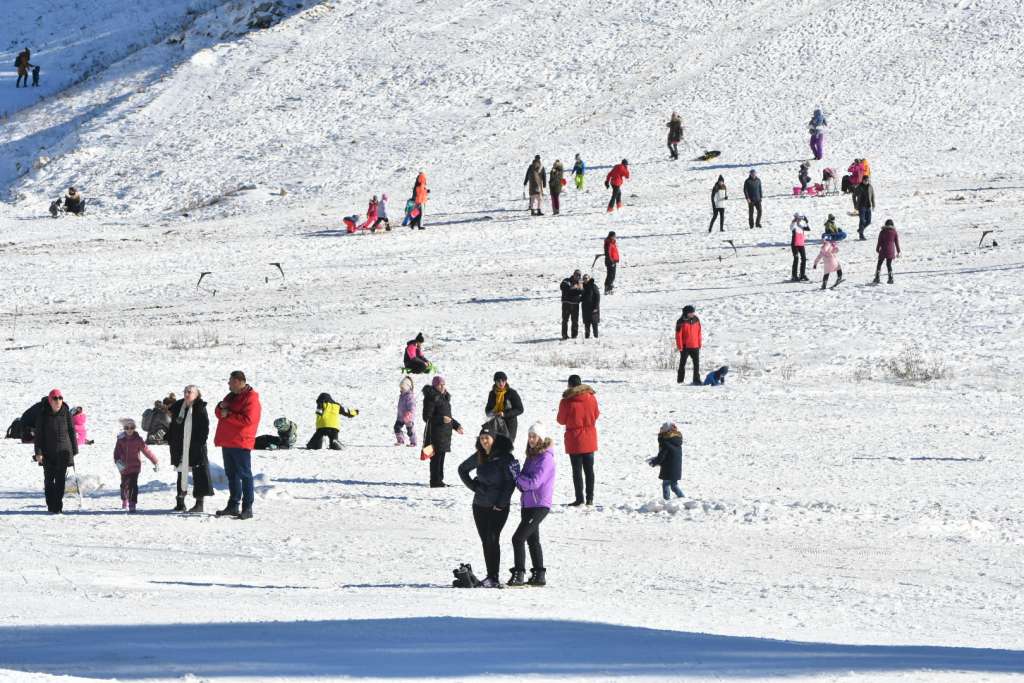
{"x":544,"y":444}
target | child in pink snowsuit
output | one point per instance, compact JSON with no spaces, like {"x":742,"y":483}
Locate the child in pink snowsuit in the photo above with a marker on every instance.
{"x":78,"y":420}
{"x":129,"y":464}
{"x":406,"y":413}
{"x":829,"y":254}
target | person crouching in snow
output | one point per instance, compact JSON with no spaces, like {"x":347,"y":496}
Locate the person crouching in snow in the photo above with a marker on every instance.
{"x":670,"y":459}
{"x":406,"y":412}
{"x":126,"y":457}
{"x":716,"y":378}
{"x":351,"y":223}
{"x":829,"y":254}
{"x":414,"y":361}
{"x":328,"y":422}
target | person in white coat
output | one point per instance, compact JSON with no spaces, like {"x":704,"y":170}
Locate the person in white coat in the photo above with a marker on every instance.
{"x":718,"y":197}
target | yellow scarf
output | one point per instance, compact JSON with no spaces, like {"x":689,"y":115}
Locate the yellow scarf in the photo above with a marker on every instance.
{"x":499,"y":399}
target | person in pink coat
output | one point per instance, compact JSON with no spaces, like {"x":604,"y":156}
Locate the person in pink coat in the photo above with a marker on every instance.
{"x":829,"y":255}
{"x":127,"y":450}
{"x":78,"y":420}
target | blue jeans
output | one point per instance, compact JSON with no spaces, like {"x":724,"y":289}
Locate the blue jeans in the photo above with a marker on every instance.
{"x":865,"y":218}
{"x":238,"y":468}
{"x":673,"y":486}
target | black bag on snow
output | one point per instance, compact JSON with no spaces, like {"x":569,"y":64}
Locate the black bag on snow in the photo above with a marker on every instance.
{"x":14,"y":431}
{"x":464,"y":577}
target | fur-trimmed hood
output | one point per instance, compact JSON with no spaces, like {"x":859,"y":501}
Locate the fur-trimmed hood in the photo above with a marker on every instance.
{"x":576,"y":391}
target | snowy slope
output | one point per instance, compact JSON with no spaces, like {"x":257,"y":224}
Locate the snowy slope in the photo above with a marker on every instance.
{"x":839,"y":522}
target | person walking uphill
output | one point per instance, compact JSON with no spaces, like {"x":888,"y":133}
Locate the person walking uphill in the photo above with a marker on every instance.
{"x":611,"y":261}
{"x":555,"y":182}
{"x":238,"y":418}
{"x":865,"y":196}
{"x":536,"y":179}
{"x":718,"y":197}
{"x":578,"y":413}
{"x":537,"y":483}
{"x":618,"y":175}
{"x":675,"y":135}
{"x":55,"y":448}
{"x":753,"y":194}
{"x":437,"y":434}
{"x":186,"y":437}
{"x":496,"y":472}
{"x":503,"y":401}
{"x":888,"y":248}
{"x":572,"y":295}
{"x":688,"y":343}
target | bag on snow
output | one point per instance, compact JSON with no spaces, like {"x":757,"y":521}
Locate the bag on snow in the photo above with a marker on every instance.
{"x":464,"y":577}
{"x":14,"y":431}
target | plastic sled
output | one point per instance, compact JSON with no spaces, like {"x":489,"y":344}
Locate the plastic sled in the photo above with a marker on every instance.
{"x":833,"y":236}
{"x":708,"y":155}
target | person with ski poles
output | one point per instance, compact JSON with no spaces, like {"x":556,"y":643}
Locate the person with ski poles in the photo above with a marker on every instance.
{"x":618,"y":175}
{"x":55,"y":448}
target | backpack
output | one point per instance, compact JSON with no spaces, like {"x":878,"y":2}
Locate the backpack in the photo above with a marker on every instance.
{"x":14,"y":431}
{"x":147,"y":419}
{"x":464,"y":577}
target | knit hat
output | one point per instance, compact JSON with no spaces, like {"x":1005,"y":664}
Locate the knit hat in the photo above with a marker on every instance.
{"x":127,"y":422}
{"x":625,"y":162}
{"x":668,"y":427}
{"x":438,"y":380}
{"x":281,"y":423}
{"x":419,"y":337}
{"x":540,"y":430}
{"x":486,"y":429}
{"x":406,"y":384}
{"x":499,"y":375}
{"x":575,"y":381}
{"x":55,"y":393}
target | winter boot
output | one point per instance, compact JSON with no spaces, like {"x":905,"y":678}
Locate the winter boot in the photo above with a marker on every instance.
{"x":824,"y":283}
{"x":245,"y":514}
{"x":229,"y":511}
{"x":198,"y":507}
{"x":890,"y":279}
{"x":490,"y":582}
{"x":537,"y":578}
{"x":399,"y":439}
{"x":840,"y":279}
{"x":517,"y":578}
{"x":180,"y":506}
{"x":877,"y":279}
{"x":335,"y":445}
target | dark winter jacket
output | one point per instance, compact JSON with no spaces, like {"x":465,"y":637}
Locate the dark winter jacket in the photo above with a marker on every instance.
{"x":31,"y":416}
{"x":675,"y":129}
{"x":436,"y":407}
{"x":513,"y":409}
{"x":55,"y":433}
{"x":888,"y":245}
{"x":536,"y":177}
{"x":570,"y":293}
{"x":670,"y":456}
{"x":591,"y":303}
{"x":495,"y":479}
{"x":752,"y":189}
{"x":555,"y":179}
{"x":865,"y":193}
{"x":197,"y":453}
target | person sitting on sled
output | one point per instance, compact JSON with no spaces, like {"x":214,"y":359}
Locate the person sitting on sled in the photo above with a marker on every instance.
{"x":414,"y":360}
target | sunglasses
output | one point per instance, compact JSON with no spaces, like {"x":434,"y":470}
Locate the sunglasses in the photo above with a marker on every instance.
{"x":56,"y":398}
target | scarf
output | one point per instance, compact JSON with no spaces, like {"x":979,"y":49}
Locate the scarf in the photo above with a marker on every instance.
{"x":186,"y":447}
{"x":499,"y":399}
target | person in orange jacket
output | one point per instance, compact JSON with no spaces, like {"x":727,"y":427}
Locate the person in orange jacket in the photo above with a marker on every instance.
{"x":238,"y":418}
{"x":419,"y":196}
{"x":688,"y":342}
{"x":614,"y":180}
{"x":578,"y":412}
{"x":611,"y":261}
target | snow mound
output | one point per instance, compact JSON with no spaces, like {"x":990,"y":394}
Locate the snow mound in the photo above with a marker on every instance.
{"x":219,"y":479}
{"x":87,"y":483}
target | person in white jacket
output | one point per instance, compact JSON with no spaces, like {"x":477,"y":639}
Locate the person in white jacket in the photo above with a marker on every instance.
{"x":718,"y":197}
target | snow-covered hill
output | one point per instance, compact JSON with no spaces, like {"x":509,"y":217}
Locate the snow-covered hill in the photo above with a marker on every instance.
{"x":837,"y":497}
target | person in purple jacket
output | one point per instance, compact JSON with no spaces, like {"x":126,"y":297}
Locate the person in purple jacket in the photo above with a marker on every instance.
{"x":888,"y":248}
{"x":406,"y":416}
{"x":536,"y":481}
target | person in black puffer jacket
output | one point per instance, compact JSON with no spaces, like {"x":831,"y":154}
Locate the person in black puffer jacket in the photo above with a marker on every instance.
{"x":437,"y":433}
{"x":670,"y":459}
{"x":56,"y":448}
{"x":496,"y":472}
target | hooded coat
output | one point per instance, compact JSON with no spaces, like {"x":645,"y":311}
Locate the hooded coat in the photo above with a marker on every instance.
{"x":436,"y":407}
{"x":536,"y":177}
{"x":496,"y":476}
{"x":591,"y":309}
{"x":406,"y":411}
{"x":888,"y":245}
{"x":197,"y":453}
{"x":670,"y":456}
{"x":829,"y":255}
{"x":536,"y":481}
{"x":78,"y":420}
{"x":578,"y":412}
{"x":555,"y":179}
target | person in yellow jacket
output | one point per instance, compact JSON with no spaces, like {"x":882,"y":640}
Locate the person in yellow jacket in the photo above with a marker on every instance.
{"x":328,"y":421}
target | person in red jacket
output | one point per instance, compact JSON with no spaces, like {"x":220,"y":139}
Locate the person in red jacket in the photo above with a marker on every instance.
{"x":688,"y":341}
{"x":611,"y":261}
{"x":614,"y":180}
{"x":238,"y":418}
{"x":578,"y":412}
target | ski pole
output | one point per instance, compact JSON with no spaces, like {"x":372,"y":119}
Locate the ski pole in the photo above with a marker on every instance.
{"x":78,"y":484}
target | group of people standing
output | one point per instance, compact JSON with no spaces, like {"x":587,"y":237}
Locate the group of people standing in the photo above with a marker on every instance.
{"x":538,"y":180}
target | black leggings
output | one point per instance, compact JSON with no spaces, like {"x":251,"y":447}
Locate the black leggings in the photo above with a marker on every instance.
{"x":694,"y":355}
{"x":55,"y":472}
{"x":489,"y":523}
{"x":799,"y":257}
{"x":528,"y":533}
{"x":616,"y":199}
{"x":720,"y":215}
{"x":582,"y":463}
{"x":317,"y":440}
{"x":888,"y":265}
{"x":609,"y":277}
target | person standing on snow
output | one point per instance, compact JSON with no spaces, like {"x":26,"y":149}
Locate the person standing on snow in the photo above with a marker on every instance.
{"x":382,"y":215}
{"x":536,"y":481}
{"x":572,"y":295}
{"x":496,"y":472}
{"x":887,"y":248}
{"x":611,"y":261}
{"x":829,"y":254}
{"x":753,"y":194}
{"x":816,"y":127}
{"x":675,"y":135}
{"x":420,"y":194}
{"x":536,"y":179}
{"x":22,"y":64}
{"x":238,"y":418}
{"x":688,"y":342}
{"x":591,"y":302}
{"x":578,"y":413}
{"x":578,"y":171}
{"x":437,"y":432}
{"x":865,"y":194}
{"x":503,"y":401}
{"x":614,"y":179}
{"x":718,"y":197}
{"x":406,"y":412}
{"x":55,"y":448}
{"x":669,"y":459}
{"x":126,"y":458}
{"x":853,"y":180}
{"x":555,"y":182}
{"x":797,"y":240}
{"x":186,"y":438}
{"x":371,"y":214}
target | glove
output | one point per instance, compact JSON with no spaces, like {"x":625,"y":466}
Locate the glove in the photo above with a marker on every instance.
{"x":606,"y":185}
{"x":650,"y":461}
{"x":354,"y":411}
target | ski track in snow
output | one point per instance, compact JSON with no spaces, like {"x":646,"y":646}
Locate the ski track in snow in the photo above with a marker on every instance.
{"x":829,"y":503}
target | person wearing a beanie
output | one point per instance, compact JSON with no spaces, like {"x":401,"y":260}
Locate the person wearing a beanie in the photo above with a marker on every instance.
{"x":127,"y":449}
{"x":689,"y":340}
{"x":496,"y":472}
{"x":537,"y":484}
{"x":797,"y":241}
{"x":669,"y":459}
{"x":618,"y":175}
{"x":719,"y":194}
{"x":439,"y":424}
{"x":55,"y":448}
{"x":406,"y":412}
{"x":611,"y":261}
{"x":328,"y":422}
{"x":503,"y":401}
{"x":716,"y":378}
{"x":578,"y":412}
{"x":887,"y":248}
